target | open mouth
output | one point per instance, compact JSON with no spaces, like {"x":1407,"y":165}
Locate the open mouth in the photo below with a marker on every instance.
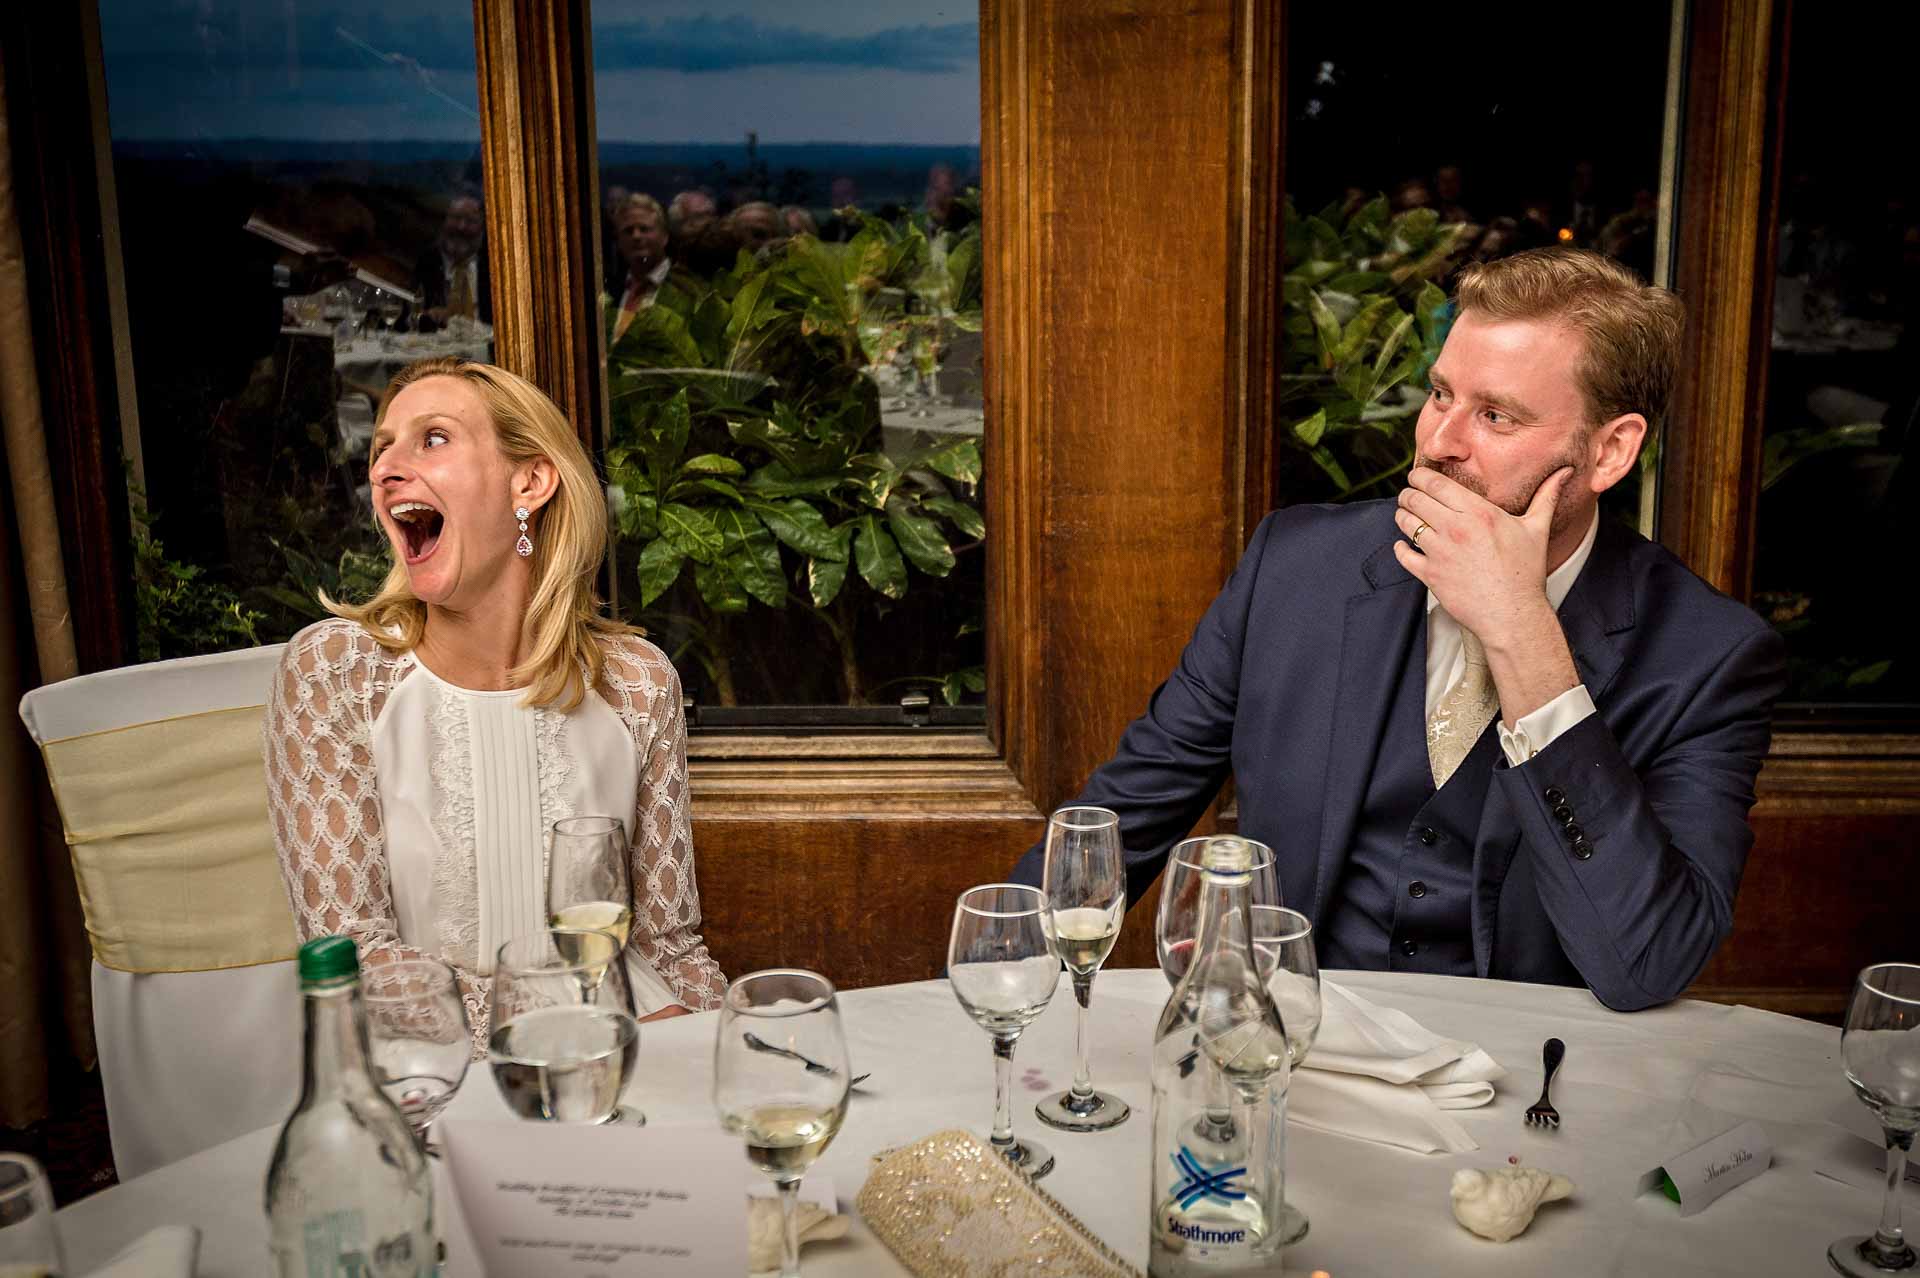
{"x":420,"y":525}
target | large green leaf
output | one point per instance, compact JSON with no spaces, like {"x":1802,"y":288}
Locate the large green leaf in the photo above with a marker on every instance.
{"x":659,"y":568}
{"x":1353,"y":337}
{"x":752,"y":557}
{"x":712,"y":464}
{"x":959,"y":514}
{"x":874,"y":478}
{"x":802,"y":527}
{"x":778,"y":480}
{"x":955,"y":687}
{"x":1309,"y":431}
{"x":919,"y":538}
{"x":657,"y":337}
{"x":1326,"y":327}
{"x":824,"y":579}
{"x":692,"y":531}
{"x":718,"y":587}
{"x":878,"y":558}
{"x":958,"y":460}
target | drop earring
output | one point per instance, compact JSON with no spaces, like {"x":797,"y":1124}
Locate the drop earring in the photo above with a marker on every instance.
{"x":524,"y":546}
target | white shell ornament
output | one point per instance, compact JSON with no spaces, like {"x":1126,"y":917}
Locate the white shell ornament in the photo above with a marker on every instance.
{"x":1499,"y":1204}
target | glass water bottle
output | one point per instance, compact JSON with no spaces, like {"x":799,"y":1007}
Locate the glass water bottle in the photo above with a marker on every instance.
{"x":349,"y":1194}
{"x":1220,"y":1065}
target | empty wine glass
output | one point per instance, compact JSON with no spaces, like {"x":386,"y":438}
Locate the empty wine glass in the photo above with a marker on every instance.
{"x":564,"y":1039}
{"x":1283,"y":955}
{"x":419,"y":1036}
{"x":1880,"y":1050}
{"x":1086,"y":885}
{"x":780,"y":1080}
{"x":29,"y":1237}
{"x":589,"y":879}
{"x":1177,"y":923}
{"x":1003,"y":971}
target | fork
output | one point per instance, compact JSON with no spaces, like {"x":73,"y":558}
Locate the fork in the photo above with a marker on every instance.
{"x":1542,"y":1113}
{"x":758,"y":1044}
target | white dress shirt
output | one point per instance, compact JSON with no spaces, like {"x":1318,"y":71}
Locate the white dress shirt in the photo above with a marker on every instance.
{"x":1446,"y":663}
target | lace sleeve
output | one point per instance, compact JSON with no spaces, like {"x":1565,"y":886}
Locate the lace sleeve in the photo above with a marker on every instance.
{"x":644,"y":688}
{"x":324,"y":799}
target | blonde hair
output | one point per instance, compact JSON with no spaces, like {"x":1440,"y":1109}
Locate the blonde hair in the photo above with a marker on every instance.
{"x":1631,"y":330}
{"x":565,"y":624}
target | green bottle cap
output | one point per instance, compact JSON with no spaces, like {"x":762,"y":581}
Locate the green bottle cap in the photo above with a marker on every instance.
{"x":328,"y":958}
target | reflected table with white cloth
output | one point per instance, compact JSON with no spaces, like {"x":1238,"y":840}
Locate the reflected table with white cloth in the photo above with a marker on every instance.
{"x":1632,"y":1086}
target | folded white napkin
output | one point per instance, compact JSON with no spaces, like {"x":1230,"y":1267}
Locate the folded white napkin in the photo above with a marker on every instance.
{"x":169,"y":1251}
{"x":1378,"y":1074}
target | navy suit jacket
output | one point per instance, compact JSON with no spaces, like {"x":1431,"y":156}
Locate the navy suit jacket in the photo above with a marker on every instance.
{"x":1286,"y":685}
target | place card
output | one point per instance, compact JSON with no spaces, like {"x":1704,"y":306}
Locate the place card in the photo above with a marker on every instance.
{"x":1708,"y":1170}
{"x":566,"y":1199}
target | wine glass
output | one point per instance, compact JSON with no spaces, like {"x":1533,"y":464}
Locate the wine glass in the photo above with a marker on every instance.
{"x":418,"y":1032}
{"x":1880,"y":1050}
{"x":29,"y":1238}
{"x":1177,"y":924}
{"x":564,"y":1038}
{"x":1086,"y":885}
{"x":589,"y":882}
{"x":1003,"y":971}
{"x":780,"y":1080}
{"x":1284,"y":956}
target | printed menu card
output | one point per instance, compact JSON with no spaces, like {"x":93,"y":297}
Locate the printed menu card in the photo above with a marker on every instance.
{"x":577,"y":1201}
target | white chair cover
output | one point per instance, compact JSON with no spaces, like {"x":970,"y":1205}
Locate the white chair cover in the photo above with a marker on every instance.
{"x":188,"y":1059}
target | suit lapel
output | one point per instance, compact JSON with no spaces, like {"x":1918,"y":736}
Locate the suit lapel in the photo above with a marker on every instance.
{"x":1380,"y":622}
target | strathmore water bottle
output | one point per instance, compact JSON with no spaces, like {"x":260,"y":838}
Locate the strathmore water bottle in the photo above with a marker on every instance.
{"x":349,"y":1194}
{"x":1219,"y":1094}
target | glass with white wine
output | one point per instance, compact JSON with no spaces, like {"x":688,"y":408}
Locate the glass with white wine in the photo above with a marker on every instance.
{"x":563,"y":1040}
{"x":589,"y":876}
{"x":1086,"y":885}
{"x":780,"y":1080}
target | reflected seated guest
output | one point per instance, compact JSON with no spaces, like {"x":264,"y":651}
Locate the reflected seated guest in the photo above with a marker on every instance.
{"x":1486,"y":731}
{"x":420,"y":745}
{"x":640,"y":231}
{"x":451,"y":276}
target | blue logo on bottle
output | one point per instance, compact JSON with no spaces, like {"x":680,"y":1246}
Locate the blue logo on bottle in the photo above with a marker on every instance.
{"x":1195,"y":1182}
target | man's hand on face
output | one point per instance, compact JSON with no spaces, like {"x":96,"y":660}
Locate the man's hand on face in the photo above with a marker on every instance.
{"x":1487,"y":568}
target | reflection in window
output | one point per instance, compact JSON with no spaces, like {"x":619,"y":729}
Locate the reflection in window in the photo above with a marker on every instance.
{"x":792,"y":311}
{"x":1840,"y":461}
{"x":1406,"y":160}
{"x":299,"y":216}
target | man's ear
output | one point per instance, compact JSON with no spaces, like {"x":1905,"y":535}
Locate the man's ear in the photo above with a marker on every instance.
{"x":534,"y":483}
{"x":1614,"y":450}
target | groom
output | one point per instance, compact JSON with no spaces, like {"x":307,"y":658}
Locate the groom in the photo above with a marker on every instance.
{"x":1487,"y":731}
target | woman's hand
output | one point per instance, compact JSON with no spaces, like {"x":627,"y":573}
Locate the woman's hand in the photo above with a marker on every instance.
{"x":671,"y":1009}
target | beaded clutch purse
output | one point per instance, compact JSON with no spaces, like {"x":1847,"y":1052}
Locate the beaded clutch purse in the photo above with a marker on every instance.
{"x":949,"y":1207}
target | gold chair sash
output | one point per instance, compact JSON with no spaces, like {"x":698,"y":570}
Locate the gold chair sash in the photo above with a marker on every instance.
{"x":172,"y":845}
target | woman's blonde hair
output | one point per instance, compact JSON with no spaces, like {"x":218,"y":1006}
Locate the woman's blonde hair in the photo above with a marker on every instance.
{"x":565,"y":623}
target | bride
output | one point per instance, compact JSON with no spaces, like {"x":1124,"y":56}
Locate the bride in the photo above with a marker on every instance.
{"x":420,"y":745}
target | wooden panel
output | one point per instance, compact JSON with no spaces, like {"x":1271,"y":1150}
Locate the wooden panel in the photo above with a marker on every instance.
{"x":1710,"y":459}
{"x":537,"y":135}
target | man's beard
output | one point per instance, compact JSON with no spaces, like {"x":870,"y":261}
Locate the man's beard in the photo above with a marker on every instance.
{"x":1563,"y":513}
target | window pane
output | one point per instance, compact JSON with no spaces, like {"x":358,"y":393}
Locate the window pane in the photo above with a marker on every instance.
{"x":792,"y":308}
{"x":1406,"y":159}
{"x":1841,"y":456}
{"x":297,"y":190}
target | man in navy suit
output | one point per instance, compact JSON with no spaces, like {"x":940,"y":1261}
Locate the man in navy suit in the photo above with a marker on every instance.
{"x":1486,"y":731}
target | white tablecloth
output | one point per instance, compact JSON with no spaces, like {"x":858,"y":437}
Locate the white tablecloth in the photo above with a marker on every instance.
{"x":1629,"y":1082}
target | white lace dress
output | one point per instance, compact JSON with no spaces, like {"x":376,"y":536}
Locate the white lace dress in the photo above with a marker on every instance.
{"x":411,"y":814}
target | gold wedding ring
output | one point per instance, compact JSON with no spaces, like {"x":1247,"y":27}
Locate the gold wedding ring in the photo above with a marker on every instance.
{"x":1416,"y":532}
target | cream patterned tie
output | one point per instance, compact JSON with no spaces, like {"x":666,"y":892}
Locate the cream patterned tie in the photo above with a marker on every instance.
{"x":1464,"y":711}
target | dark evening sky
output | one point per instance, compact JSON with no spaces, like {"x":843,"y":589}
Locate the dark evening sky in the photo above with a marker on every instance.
{"x":862,"y":71}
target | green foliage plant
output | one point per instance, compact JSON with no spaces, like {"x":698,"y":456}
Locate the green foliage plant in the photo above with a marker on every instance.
{"x":1363,"y":317}
{"x":746,"y":441}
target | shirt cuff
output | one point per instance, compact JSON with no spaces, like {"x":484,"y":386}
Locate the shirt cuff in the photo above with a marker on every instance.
{"x":1535,"y":732}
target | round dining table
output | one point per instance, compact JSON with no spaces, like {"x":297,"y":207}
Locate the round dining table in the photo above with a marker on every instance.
{"x":1632,"y":1089}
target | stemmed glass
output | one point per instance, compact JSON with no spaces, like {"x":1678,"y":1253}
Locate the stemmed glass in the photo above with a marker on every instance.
{"x":1086,"y":885}
{"x":564,"y":1038}
{"x":29,"y":1238}
{"x":1003,"y":971}
{"x":1880,"y":1049}
{"x":780,"y":1080}
{"x":589,"y":879}
{"x":418,"y":1032}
